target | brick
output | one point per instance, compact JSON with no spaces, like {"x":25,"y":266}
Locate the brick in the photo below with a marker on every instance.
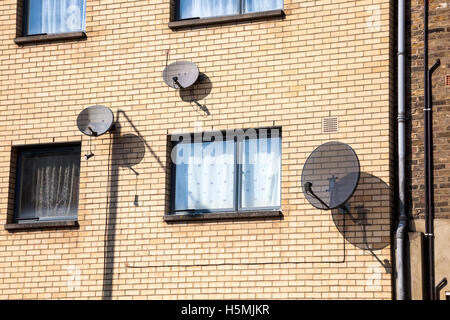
{"x":318,"y":61}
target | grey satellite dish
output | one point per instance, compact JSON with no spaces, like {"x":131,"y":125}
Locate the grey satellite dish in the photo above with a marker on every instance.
{"x":181,"y":74}
{"x":95,"y":120}
{"x":330,"y":175}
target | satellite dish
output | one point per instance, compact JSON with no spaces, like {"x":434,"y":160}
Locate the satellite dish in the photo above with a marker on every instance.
{"x":330,"y":175}
{"x":95,"y":120}
{"x":181,"y":74}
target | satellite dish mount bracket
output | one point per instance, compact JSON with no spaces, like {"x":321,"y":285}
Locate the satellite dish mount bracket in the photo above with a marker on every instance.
{"x":342,"y":207}
{"x":94,"y":134}
{"x":175,"y":79}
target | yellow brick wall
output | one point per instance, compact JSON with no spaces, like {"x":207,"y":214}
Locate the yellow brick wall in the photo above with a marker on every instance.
{"x":325,"y":58}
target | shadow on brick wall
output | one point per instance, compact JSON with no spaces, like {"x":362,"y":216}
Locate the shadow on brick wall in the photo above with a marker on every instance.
{"x":198,"y":91}
{"x":131,"y":151}
{"x":125,"y":152}
{"x":367,"y":225}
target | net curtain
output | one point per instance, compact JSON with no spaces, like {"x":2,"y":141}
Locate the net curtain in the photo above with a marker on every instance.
{"x":50,"y":186}
{"x":206,"y":177}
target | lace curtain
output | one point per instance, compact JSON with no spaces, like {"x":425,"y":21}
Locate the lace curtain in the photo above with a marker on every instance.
{"x":49,"y":186}
{"x":56,"y":16}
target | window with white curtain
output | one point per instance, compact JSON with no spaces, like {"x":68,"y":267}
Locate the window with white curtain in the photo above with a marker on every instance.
{"x":227,"y":173}
{"x":47,"y":183}
{"x":54,"y":16}
{"x":188,"y":9}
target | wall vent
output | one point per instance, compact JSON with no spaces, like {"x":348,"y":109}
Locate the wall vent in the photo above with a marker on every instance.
{"x":330,"y":125}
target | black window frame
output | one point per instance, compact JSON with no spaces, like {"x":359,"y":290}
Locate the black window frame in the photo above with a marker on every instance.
{"x":25,"y":18}
{"x":237,"y":190}
{"x":241,"y":11}
{"x":41,"y":149}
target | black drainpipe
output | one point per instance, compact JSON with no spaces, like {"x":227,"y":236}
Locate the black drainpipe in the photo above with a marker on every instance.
{"x":401,"y":231}
{"x":429,"y":283}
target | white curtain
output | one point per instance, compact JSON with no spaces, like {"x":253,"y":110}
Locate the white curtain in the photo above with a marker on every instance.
{"x":261,"y":173}
{"x":49,"y":186}
{"x":205,"y":177}
{"x":207,"y":8}
{"x":216,"y":8}
{"x":262,"y":5}
{"x":56,"y":16}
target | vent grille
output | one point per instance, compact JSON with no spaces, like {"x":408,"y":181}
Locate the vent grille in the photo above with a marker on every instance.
{"x":447,"y":80}
{"x":330,"y":125}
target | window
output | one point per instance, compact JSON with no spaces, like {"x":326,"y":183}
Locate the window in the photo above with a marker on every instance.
{"x":188,"y":9}
{"x":54,"y":16}
{"x":47,"y":183}
{"x":227,"y":172}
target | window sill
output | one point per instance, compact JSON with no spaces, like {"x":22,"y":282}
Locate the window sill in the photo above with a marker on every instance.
{"x":189,"y":23}
{"x":223,"y":215}
{"x":50,"y":38}
{"x":42,"y":225}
